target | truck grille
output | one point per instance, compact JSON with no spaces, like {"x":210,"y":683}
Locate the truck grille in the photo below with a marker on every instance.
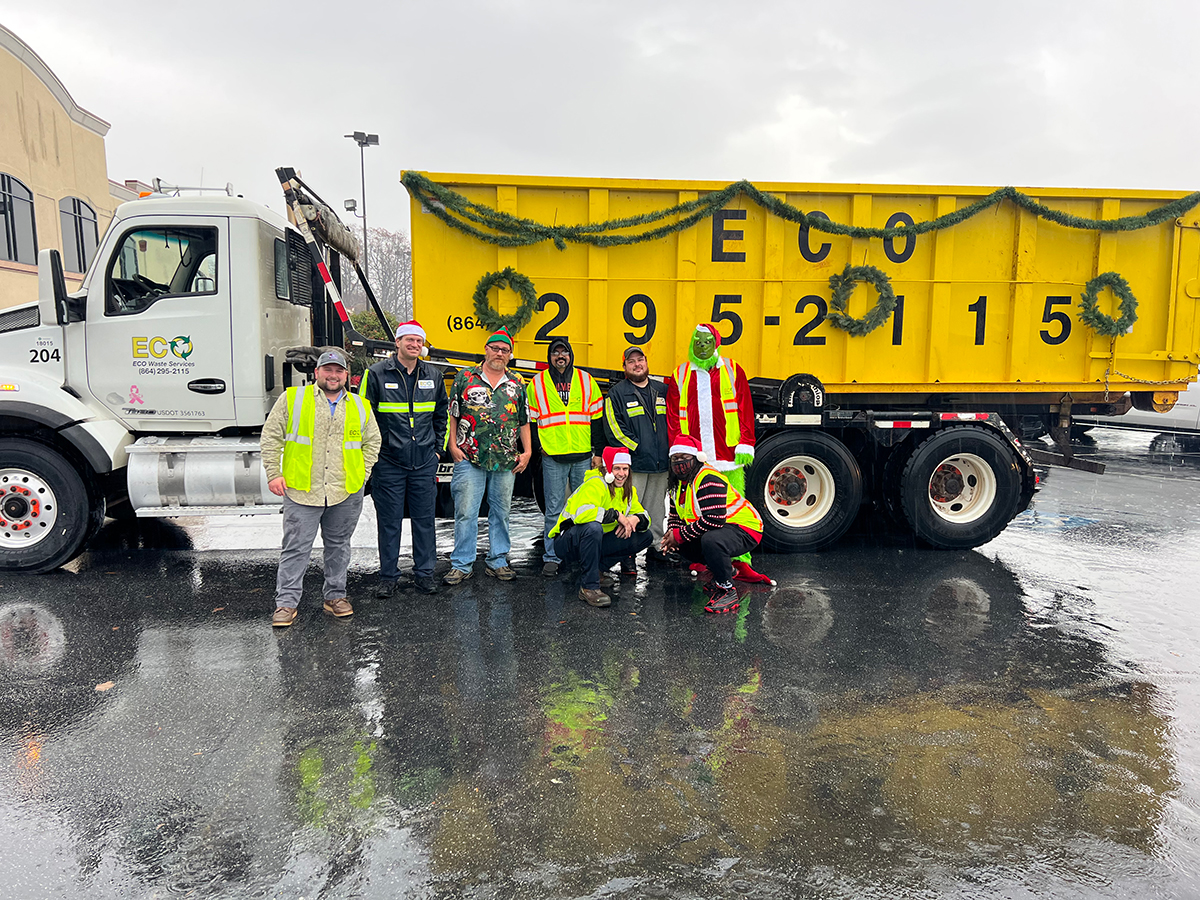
{"x":19,"y":318}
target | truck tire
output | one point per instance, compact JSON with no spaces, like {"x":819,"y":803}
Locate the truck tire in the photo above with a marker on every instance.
{"x":46,"y":511}
{"x":961,"y":487}
{"x":807,"y":488}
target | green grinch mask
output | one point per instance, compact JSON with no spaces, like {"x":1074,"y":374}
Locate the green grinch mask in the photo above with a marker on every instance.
{"x":702,"y":352}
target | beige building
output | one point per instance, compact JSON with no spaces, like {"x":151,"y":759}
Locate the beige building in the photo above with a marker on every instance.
{"x":54,"y":187}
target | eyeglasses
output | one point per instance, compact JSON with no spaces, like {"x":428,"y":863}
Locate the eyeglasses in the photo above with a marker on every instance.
{"x":498,"y":348}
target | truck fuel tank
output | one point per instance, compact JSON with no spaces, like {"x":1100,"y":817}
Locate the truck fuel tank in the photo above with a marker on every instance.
{"x":194,"y":476}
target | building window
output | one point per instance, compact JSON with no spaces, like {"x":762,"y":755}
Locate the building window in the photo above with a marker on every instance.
{"x":79,"y":232}
{"x":18,"y":239}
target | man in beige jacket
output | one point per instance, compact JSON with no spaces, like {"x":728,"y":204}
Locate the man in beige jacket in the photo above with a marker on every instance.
{"x":318,"y":446}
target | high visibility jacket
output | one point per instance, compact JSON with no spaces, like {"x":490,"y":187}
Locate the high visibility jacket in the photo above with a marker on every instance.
{"x":413,"y":427}
{"x":729,"y":404}
{"x":643,"y":432}
{"x":301,"y":423}
{"x":593,"y":501}
{"x":738,"y":510}
{"x":564,"y":429}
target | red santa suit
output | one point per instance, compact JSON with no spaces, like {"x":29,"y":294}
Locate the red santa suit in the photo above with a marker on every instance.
{"x":704,"y":414}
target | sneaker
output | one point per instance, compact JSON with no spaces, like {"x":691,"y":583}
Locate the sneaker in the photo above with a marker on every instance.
{"x":594,"y":598}
{"x":425,"y":584}
{"x":284,"y":616}
{"x":457,"y":576}
{"x":504,"y":573}
{"x":629,"y":567}
{"x":385,"y":589}
{"x":724,"y":600}
{"x":340,"y":607}
{"x":550,"y":569}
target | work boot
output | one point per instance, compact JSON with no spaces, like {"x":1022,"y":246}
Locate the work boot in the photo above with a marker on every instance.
{"x":629,"y":566}
{"x":424,"y":584}
{"x":724,"y":599}
{"x":457,"y":576}
{"x":284,"y":616}
{"x":339,"y":607}
{"x":550,"y":569}
{"x":594,"y":597}
{"x":504,"y":573}
{"x":607,"y":580}
{"x":385,"y":589}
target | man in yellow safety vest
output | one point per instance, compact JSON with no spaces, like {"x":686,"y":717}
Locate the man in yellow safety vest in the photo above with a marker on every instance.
{"x":318,"y":446}
{"x":710,"y":521}
{"x":564,"y":402}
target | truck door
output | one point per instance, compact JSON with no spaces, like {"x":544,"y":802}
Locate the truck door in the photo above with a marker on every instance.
{"x":159,"y":342}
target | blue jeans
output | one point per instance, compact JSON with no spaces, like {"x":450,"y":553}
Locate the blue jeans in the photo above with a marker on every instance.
{"x":467,"y":485}
{"x":559,"y":481}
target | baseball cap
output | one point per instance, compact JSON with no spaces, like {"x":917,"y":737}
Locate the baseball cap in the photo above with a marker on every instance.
{"x":335,"y":357}
{"x":629,"y":351}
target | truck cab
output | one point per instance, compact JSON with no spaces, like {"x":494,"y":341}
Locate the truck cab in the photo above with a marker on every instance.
{"x":175,"y":343}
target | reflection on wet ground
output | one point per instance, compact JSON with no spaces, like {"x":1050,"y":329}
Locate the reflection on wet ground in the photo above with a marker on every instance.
{"x":887,"y":722}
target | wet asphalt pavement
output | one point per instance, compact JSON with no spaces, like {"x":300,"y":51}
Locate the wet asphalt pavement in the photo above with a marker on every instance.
{"x":1018,"y":721}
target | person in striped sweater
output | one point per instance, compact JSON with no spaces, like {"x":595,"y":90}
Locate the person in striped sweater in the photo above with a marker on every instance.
{"x":710,"y":521}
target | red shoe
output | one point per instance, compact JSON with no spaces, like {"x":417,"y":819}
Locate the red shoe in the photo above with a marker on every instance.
{"x":725,"y":600}
{"x":743,"y":572}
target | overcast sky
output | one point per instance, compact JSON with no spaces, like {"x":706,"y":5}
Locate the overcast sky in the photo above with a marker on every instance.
{"x":1028,"y":93}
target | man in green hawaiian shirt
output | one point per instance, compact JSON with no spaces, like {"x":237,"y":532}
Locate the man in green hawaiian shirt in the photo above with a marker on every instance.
{"x":488,"y":415}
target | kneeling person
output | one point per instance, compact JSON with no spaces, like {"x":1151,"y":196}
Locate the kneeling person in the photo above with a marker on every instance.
{"x":710,"y":522}
{"x":602,"y":523}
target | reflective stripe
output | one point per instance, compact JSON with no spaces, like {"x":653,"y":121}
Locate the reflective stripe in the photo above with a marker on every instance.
{"x":352,"y":445}
{"x":293,"y":434}
{"x":393,"y":407}
{"x":637,"y":412}
{"x":610,"y":412}
{"x":423,"y":406}
{"x":564,"y":428}
{"x":729,"y":404}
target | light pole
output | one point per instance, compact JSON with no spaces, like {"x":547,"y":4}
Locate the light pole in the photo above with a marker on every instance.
{"x":364,"y":141}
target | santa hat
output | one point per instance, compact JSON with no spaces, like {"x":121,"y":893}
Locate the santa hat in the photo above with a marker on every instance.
{"x":686,"y":444}
{"x":615,"y":456}
{"x":412,"y":326}
{"x":711,"y":329}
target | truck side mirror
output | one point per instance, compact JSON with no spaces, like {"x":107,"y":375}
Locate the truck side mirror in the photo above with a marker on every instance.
{"x":52,"y":288}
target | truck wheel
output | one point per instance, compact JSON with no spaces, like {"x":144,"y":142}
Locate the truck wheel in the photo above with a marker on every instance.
{"x":46,"y":514}
{"x":961,"y":487}
{"x":807,"y":488}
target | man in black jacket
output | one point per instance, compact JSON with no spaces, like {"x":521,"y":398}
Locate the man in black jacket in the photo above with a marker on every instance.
{"x":635,"y":417}
{"x":409,"y":399}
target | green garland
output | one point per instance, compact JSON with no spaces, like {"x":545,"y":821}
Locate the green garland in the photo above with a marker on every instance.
{"x":1090,"y":314}
{"x":507,"y":230}
{"x":843,"y":286}
{"x":510,"y":278}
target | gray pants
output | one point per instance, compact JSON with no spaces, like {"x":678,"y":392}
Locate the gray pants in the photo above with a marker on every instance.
{"x":651,"y":489}
{"x":300,"y":523}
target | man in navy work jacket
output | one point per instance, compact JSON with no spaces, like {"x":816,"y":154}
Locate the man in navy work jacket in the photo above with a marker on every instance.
{"x":409,"y":399}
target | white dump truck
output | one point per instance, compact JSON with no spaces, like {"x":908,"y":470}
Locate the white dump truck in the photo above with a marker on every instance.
{"x":144,"y":392}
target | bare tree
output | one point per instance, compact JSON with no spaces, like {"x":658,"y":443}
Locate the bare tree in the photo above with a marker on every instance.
{"x":389,"y":271}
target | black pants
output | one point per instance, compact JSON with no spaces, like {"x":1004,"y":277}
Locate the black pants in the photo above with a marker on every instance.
{"x":717,"y":548}
{"x":596,"y":549}
{"x":390,"y":487}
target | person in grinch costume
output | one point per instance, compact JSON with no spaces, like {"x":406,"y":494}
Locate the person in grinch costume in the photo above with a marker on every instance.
{"x":708,"y":398}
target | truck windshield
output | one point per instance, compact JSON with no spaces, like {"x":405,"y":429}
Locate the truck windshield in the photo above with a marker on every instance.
{"x":153,"y":263}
